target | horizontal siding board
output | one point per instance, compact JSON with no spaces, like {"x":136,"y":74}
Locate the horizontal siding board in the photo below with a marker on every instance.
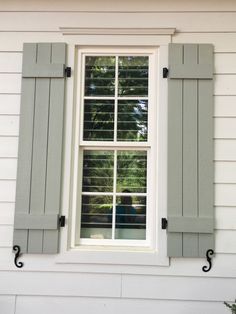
{"x":50,"y":21}
{"x":7,"y":304}
{"x":225,"y":63}
{"x":225,"y":85}
{"x":10,"y":83}
{"x":225,"y":172}
{"x":9,"y":125}
{"x":225,"y":218}
{"x":62,"y":305}
{"x":6,"y":236}
{"x":7,"y":190}
{"x":10,"y":62}
{"x":71,"y":5}
{"x":9,"y":104}
{"x":8,"y":147}
{"x":60,"y":284}
{"x":225,"y":150}
{"x":225,"y":241}
{"x":8,"y":168}
{"x":225,"y":194}
{"x":154,"y":287}
{"x":225,"y":128}
{"x":225,"y":106}
{"x":7,"y":213}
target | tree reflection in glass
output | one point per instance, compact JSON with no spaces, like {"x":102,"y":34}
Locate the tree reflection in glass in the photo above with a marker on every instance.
{"x":99,"y":76}
{"x":132,"y":120}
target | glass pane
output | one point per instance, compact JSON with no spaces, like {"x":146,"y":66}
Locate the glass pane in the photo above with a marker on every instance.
{"x":131,"y":171}
{"x":133,"y":76}
{"x":98,"y":171}
{"x":130,"y":217}
{"x":99,"y":76}
{"x":96,"y":217}
{"x":98,"y":120}
{"x":132,"y":120}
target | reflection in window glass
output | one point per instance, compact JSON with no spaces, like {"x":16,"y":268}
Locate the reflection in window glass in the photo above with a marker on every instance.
{"x":131,"y":171}
{"x":133,"y":76}
{"x":99,"y":76}
{"x":98,"y":120}
{"x":96,"y":217}
{"x":98,"y":171}
{"x":130,"y":217}
{"x":132,"y":120}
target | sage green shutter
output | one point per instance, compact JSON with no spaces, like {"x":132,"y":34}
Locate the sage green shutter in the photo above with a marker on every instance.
{"x":38,"y":189}
{"x":190,"y":150}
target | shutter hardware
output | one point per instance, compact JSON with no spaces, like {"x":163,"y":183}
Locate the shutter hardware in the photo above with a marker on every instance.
{"x":165,"y":72}
{"x":68,"y":71}
{"x":164,"y":223}
{"x":62,"y":221}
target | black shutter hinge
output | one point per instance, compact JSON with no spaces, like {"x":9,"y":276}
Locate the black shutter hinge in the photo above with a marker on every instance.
{"x":164,"y":223}
{"x":62,"y":221}
{"x":68,"y":71}
{"x":165,"y":72}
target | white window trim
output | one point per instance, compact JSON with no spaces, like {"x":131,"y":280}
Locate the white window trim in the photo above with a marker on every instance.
{"x":116,"y":255}
{"x":117,"y":145}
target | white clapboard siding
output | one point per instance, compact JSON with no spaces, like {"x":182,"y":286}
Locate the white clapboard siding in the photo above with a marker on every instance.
{"x":225,"y":195}
{"x":225,"y":106}
{"x":60,"y":283}
{"x":225,"y":218}
{"x":50,"y":21}
{"x":223,"y":42}
{"x":225,"y":241}
{"x":225,"y":63}
{"x":62,"y":305}
{"x":8,"y":168}
{"x":225,"y":172}
{"x":225,"y":128}
{"x":10,"y":83}
{"x":13,"y":41}
{"x":10,"y":62}
{"x":225,"y":84}
{"x":185,"y":288}
{"x":7,"y":190}
{"x":7,"y":304}
{"x":71,"y":5}
{"x":9,"y":125}
{"x":6,"y":235}
{"x":9,"y":104}
{"x":7,"y":213}
{"x":8,"y":147}
{"x":225,"y":149}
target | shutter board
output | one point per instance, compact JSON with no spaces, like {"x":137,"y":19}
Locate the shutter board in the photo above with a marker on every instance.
{"x":25,"y":146}
{"x":44,"y":149}
{"x":46,"y":70}
{"x":190,"y":151}
{"x":55,"y":142}
{"x":38,"y":222}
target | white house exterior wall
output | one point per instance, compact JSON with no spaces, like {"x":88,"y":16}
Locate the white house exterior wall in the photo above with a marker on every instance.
{"x":45,"y":286}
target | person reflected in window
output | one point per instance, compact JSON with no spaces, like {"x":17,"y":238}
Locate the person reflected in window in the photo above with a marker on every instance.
{"x":125,"y":212}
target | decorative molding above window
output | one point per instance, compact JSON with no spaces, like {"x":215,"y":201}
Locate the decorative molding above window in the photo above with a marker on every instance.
{"x":116,"y":31}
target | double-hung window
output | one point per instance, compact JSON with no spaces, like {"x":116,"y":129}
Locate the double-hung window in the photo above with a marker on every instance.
{"x":117,"y":151}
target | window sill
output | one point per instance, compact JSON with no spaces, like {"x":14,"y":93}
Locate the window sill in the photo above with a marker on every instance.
{"x":114,"y":256}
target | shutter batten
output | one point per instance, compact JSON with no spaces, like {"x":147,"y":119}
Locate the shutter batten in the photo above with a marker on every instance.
{"x":190,"y":150}
{"x":40,"y":141}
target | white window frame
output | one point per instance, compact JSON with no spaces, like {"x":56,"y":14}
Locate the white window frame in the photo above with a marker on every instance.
{"x":149,"y":146}
{"x":120,"y":255}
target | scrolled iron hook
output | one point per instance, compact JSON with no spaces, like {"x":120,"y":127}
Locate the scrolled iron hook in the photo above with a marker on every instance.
{"x":209,"y":255}
{"x":16,"y":248}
